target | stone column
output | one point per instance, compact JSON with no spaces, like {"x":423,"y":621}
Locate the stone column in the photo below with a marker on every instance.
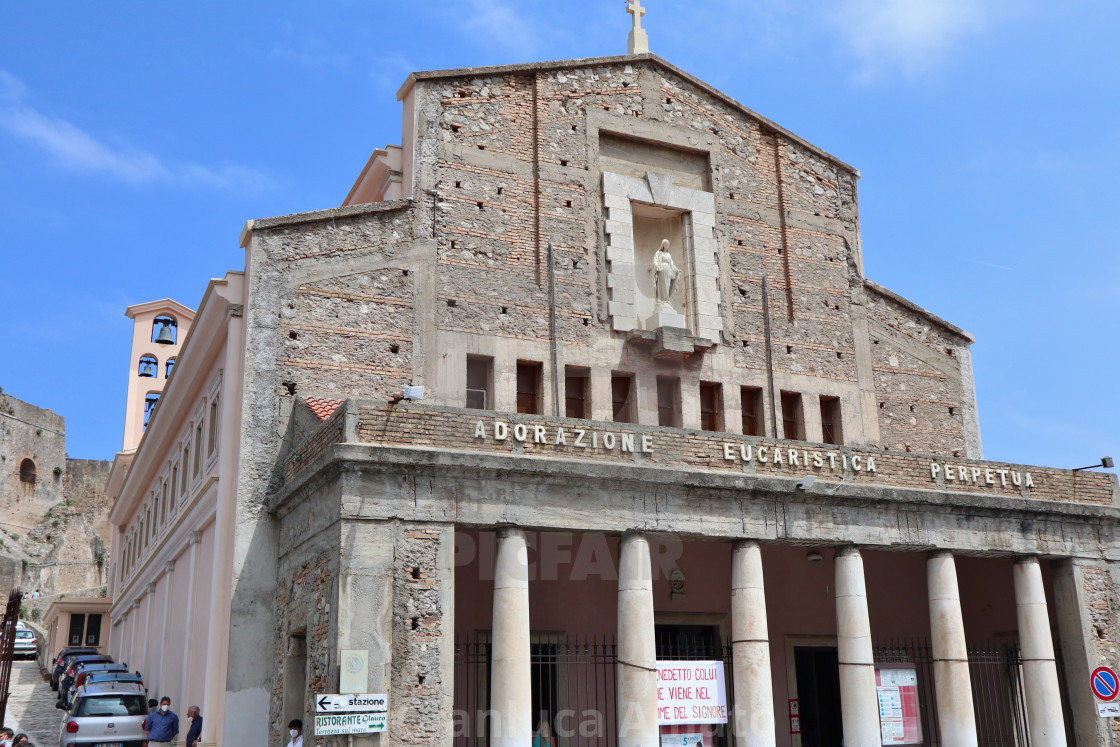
{"x":637,"y":654}
{"x":510,"y":679}
{"x":750,"y":648}
{"x":859,"y":704}
{"x":955,"y":716}
{"x":1040,"y":673}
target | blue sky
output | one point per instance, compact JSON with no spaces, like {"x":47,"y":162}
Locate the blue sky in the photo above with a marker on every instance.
{"x":137,"y":138}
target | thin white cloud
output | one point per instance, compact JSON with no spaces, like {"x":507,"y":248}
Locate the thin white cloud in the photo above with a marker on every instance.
{"x":909,"y":36}
{"x":390,"y":71}
{"x":498,"y":24}
{"x":11,"y":87}
{"x":75,"y":149}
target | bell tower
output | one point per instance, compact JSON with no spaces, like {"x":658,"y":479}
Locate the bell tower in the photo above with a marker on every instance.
{"x":158,"y":331}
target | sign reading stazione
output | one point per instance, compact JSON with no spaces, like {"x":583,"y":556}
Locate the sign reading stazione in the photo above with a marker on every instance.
{"x":691,"y":692}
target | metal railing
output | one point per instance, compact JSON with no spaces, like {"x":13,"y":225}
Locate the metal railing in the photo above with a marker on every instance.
{"x":574,"y":679}
{"x":997,"y":691}
{"x":7,"y":647}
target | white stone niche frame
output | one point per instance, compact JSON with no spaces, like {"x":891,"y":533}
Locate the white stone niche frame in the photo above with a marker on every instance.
{"x":704,"y":318}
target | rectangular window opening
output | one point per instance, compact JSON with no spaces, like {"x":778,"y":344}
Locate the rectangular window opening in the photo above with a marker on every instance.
{"x":529,"y":375}
{"x":831,"y":431}
{"x":793,"y":418}
{"x":669,"y":401}
{"x":480,"y":382}
{"x":212,"y":439}
{"x":623,"y":397}
{"x":577,"y":392}
{"x":711,"y":406}
{"x":197,"y":449}
{"x":752,"y":411}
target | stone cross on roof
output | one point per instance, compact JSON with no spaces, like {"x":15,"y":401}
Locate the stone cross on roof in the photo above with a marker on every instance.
{"x":638,"y":42}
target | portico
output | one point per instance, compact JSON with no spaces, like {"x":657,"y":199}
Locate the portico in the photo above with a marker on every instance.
{"x":572,"y":579}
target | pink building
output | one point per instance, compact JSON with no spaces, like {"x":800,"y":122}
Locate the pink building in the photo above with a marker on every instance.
{"x":170,"y":490}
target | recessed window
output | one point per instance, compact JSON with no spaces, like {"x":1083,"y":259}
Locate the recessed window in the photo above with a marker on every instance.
{"x":711,"y":406}
{"x":577,"y":392}
{"x":197,"y":449}
{"x":623,"y":397}
{"x":149,"y":366}
{"x":480,"y":377}
{"x":752,"y":411}
{"x":669,"y":401}
{"x":27,"y":472}
{"x":831,"y":431}
{"x":793,"y":418}
{"x":529,"y":387}
{"x":168,"y":367}
{"x":212,"y":440}
{"x":150,"y":402}
{"x":186,"y":463}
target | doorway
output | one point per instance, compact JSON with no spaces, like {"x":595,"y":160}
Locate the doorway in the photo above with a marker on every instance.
{"x":818,"y":695}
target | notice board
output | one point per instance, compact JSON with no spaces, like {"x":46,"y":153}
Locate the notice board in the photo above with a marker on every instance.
{"x":900,"y":720}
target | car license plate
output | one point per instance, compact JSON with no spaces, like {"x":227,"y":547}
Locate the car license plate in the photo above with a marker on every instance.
{"x":108,"y":744}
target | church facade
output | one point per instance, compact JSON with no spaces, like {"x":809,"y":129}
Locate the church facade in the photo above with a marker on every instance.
{"x":680,"y":472}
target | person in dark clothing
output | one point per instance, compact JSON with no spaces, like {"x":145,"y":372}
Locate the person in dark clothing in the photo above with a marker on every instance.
{"x":194,"y":734}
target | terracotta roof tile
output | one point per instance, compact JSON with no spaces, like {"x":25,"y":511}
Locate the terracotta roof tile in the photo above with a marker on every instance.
{"x":322,"y":407}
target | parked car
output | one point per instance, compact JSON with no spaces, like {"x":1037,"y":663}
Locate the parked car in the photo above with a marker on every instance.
{"x":105,"y":714}
{"x":81,"y":670}
{"x":100,"y":678}
{"x":61,"y":662}
{"x":67,"y":677}
{"x":26,"y":643}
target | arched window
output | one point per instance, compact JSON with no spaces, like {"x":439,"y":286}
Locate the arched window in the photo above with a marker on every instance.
{"x":149,"y":366}
{"x":165,"y":330}
{"x":27,"y":472}
{"x":149,"y":406}
{"x":168,"y":366}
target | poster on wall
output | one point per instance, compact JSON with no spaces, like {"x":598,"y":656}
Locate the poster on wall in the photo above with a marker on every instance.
{"x":691,"y":692}
{"x":899,"y":718}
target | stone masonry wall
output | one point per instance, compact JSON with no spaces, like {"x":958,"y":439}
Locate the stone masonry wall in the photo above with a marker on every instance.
{"x":304,"y":604}
{"x":917,"y":380}
{"x":29,"y":432}
{"x":800,"y":231}
{"x":418,"y":679}
{"x":454,"y":428}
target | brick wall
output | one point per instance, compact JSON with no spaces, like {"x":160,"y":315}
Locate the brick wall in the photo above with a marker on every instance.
{"x":453,"y":428}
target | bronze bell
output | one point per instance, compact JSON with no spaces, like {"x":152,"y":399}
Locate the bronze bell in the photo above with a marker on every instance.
{"x":147,"y":370}
{"x":164,"y":337}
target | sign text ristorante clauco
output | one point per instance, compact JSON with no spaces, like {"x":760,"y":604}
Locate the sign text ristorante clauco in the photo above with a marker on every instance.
{"x":602,"y":441}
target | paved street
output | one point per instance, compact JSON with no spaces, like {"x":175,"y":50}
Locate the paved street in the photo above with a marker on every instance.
{"x":31,"y":705}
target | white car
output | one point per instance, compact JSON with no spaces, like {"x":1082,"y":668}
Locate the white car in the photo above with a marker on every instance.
{"x":27,"y":644}
{"x":105,"y":715}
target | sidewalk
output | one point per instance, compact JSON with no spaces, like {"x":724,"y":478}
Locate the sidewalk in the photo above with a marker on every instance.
{"x":31,"y":705}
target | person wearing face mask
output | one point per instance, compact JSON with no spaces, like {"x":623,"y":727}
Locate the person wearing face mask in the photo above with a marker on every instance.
{"x":6,"y":736}
{"x":295,"y":729}
{"x":194,"y":734}
{"x":163,"y":725}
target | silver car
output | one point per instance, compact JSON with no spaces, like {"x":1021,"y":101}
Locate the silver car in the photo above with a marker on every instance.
{"x":26,"y":643}
{"x":107,"y":715}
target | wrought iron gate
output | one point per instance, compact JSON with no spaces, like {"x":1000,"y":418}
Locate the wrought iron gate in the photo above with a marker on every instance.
{"x":7,"y":647}
{"x":573,"y":681}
